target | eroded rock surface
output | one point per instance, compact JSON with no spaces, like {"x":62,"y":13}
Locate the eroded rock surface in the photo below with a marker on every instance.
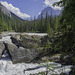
{"x":2,"y":48}
{"x":21,"y":54}
{"x":27,"y":41}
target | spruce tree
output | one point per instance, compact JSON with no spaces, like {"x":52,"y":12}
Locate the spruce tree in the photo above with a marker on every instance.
{"x":67,"y":22}
{"x":15,"y":27}
{"x":9,"y":24}
{"x":51,"y":21}
{"x":1,"y":22}
{"x":56,"y":23}
{"x":41,"y":23}
{"x":49,"y":30}
{"x":34,"y":24}
{"x":46,"y":22}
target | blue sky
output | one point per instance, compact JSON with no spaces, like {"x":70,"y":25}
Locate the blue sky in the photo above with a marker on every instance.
{"x":27,"y":8}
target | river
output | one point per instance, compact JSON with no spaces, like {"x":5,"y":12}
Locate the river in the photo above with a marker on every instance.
{"x":8,"y":68}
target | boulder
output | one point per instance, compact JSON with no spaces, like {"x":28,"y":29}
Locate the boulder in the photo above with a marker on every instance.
{"x":21,"y":54}
{"x":2,"y":48}
{"x":27,"y":41}
{"x":16,"y":36}
{"x":15,"y":39}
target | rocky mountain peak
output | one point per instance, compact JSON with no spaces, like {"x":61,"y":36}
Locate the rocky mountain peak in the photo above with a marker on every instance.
{"x":5,"y":10}
{"x":49,"y":10}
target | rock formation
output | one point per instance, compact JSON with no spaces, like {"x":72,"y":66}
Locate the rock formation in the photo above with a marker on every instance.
{"x":2,"y":48}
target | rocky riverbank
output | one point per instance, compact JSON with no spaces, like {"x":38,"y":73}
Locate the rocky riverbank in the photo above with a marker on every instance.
{"x":22,"y":48}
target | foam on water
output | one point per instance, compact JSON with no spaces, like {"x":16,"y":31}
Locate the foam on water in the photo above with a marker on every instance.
{"x":8,"y":68}
{"x":39,"y":34}
{"x":6,"y":39}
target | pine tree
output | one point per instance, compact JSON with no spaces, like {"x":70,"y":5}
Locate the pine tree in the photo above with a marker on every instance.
{"x":46,"y":22}
{"x":51,"y":21}
{"x":1,"y":20}
{"x":15,"y":27}
{"x":67,"y":22}
{"x":34,"y":24}
{"x":56,"y":23}
{"x":41,"y":23}
{"x":48,"y":29}
{"x":9,"y":24}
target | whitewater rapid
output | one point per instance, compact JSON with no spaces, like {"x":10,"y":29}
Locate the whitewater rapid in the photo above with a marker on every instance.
{"x":8,"y":68}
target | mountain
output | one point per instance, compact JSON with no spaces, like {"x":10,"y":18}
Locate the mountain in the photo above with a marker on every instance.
{"x":7,"y":13}
{"x":49,"y":10}
{"x":4,"y":10}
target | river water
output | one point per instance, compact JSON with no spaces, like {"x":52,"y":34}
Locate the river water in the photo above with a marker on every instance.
{"x":8,"y":68}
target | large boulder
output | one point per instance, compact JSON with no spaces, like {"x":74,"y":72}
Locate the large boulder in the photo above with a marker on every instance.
{"x":15,"y":39}
{"x":31,"y":45}
{"x":21,"y":54}
{"x":2,"y":48}
{"x":27,"y":41}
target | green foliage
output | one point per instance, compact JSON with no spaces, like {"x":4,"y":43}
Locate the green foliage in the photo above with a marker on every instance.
{"x":5,"y":23}
{"x":56,"y":23}
{"x":48,"y":44}
{"x":1,"y":22}
{"x":49,"y":29}
{"x":9,"y":24}
{"x":66,"y":41}
{"x":41,"y":24}
{"x":15,"y":26}
{"x":51,"y":21}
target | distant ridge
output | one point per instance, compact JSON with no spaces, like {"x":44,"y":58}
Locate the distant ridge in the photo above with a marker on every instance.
{"x":49,"y":10}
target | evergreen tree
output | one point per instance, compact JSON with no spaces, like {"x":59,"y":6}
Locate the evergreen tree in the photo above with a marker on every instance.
{"x":15,"y":27}
{"x":41,"y":24}
{"x":67,"y":21}
{"x":1,"y":22}
{"x":38,"y":25}
{"x":34,"y":24}
{"x":49,"y":30}
{"x":9,"y":24}
{"x":51,"y":21}
{"x":46,"y":22}
{"x":66,"y":42}
{"x":56,"y":23}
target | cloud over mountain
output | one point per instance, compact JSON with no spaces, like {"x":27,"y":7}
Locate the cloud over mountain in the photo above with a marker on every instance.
{"x":15,"y":10}
{"x":50,"y":2}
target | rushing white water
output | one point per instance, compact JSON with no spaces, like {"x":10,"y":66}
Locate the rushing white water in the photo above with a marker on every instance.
{"x":6,"y":39}
{"x":39,"y":34}
{"x":8,"y":68}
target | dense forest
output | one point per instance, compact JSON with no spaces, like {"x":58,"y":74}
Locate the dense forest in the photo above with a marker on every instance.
{"x":63,"y":26}
{"x":43,"y":25}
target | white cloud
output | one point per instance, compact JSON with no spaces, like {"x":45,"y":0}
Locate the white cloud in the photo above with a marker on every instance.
{"x":50,"y":2}
{"x":15,"y":10}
